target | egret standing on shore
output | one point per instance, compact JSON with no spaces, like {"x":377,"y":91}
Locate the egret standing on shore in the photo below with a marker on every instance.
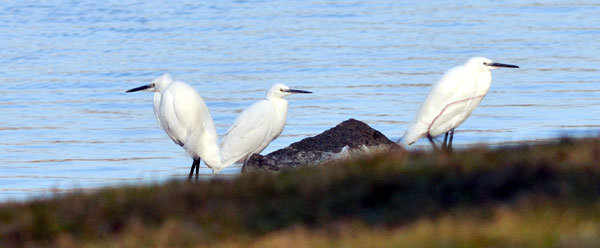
{"x":256,"y":126}
{"x":183,"y":115}
{"x":452,"y":100}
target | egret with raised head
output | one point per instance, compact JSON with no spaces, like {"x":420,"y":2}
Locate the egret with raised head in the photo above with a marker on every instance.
{"x":452,"y":100}
{"x":183,"y":115}
{"x":256,"y":126}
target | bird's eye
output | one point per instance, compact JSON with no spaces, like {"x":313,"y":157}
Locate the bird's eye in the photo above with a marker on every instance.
{"x":281,"y":90}
{"x":484,"y":63}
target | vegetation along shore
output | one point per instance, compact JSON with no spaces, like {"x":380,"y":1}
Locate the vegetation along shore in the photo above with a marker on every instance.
{"x":527,"y":195}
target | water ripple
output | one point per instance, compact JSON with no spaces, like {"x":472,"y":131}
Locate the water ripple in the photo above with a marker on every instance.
{"x":67,"y":122}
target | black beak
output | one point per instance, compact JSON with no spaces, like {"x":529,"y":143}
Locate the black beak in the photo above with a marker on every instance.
{"x":140,"y":88}
{"x":297,"y":91}
{"x":502,"y":65}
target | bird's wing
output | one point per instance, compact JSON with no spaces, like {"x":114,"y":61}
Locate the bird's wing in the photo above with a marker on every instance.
{"x":447,"y":99}
{"x":183,"y":113}
{"x":190,"y":109}
{"x":168,"y":118}
{"x":249,"y":133}
{"x":186,"y":117}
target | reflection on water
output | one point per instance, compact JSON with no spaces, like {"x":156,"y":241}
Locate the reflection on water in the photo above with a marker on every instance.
{"x":67,"y":123}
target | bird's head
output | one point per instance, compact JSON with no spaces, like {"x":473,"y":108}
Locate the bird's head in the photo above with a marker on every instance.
{"x":158,"y":85}
{"x":485,"y":64}
{"x":282,"y":90}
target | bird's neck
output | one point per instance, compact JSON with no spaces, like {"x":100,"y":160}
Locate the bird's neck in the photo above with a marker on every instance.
{"x":280,"y":105}
{"x":483,"y":81}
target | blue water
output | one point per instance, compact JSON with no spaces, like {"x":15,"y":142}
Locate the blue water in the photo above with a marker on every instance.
{"x":64,"y":66}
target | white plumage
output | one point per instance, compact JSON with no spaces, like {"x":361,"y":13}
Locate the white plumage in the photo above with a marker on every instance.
{"x":452,"y":100}
{"x":256,"y":126}
{"x":181,"y":112}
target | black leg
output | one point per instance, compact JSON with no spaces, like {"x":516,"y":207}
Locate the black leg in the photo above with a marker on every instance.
{"x":432,"y":143}
{"x":450,"y":141}
{"x":195,"y":163}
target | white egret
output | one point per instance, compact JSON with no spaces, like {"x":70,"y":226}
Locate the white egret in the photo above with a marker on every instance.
{"x":257,"y":126}
{"x":183,"y":115}
{"x":452,"y":100}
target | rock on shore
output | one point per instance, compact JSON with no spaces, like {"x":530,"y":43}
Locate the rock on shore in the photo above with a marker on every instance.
{"x":347,"y":139}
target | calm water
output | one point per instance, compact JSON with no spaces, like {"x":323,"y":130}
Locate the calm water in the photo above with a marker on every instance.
{"x":67,"y":123}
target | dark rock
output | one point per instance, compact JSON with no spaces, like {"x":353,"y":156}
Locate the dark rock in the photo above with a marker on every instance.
{"x":347,"y":139}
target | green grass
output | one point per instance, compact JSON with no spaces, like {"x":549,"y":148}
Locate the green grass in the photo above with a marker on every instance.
{"x":529,"y":195}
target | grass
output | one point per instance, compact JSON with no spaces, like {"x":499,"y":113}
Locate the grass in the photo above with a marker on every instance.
{"x":530,"y":195}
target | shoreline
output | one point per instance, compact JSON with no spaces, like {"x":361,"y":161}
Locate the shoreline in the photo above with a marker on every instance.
{"x":397,"y":191}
